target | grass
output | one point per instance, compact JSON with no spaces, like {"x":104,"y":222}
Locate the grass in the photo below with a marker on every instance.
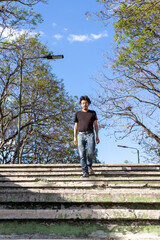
{"x":64,"y":229}
{"x":76,"y":228}
{"x":148,"y":199}
{"x":140,"y":228}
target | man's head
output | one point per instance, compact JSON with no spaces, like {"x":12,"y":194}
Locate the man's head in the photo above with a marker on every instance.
{"x":85,"y":102}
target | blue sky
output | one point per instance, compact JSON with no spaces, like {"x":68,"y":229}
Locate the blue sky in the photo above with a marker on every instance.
{"x":65,"y":30}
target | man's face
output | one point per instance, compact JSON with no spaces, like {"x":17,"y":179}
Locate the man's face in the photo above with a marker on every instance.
{"x":84,"y":105}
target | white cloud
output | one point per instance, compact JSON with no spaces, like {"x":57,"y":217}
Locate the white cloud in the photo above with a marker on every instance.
{"x":98,"y":36}
{"x":54,"y":24}
{"x":78,"y":38}
{"x":11,"y":34}
{"x":58,"y":36}
{"x":90,"y":37}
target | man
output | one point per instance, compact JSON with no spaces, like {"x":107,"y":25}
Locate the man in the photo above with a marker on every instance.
{"x":85,"y":122}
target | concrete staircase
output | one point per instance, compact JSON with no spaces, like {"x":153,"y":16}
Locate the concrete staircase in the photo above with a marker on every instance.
{"x":116,"y":193}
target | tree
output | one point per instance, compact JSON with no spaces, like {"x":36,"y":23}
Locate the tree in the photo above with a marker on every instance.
{"x":16,"y":14}
{"x":16,"y":17}
{"x":47,"y":109}
{"x":131,"y":100}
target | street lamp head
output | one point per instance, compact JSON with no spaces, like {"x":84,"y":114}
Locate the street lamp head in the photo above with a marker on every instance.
{"x":49,"y":56}
{"x":122,"y":146}
{"x":131,"y":148}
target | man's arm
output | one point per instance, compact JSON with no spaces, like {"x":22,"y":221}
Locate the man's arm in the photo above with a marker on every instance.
{"x":96,"y":130}
{"x":75,"y":133}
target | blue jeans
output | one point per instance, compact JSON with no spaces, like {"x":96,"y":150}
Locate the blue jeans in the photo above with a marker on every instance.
{"x":86,"y":148}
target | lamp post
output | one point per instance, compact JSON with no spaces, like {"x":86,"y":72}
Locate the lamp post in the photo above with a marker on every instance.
{"x":131,"y":148}
{"x":49,"y":56}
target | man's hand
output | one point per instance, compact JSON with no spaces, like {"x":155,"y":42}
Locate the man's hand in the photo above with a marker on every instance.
{"x":96,"y":129}
{"x":75,"y":133}
{"x":75,"y":141}
{"x":97,"y":140}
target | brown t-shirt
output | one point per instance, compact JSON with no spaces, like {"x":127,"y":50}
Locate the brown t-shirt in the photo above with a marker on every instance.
{"x":85,"y":120}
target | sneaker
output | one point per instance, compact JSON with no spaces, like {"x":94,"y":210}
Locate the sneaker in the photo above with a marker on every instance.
{"x":90,"y":170}
{"x":85,"y":175}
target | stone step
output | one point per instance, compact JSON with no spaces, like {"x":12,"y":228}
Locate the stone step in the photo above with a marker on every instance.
{"x":70,"y":165}
{"x":99,"y":191}
{"x":95,"y":196}
{"x":77,"y":185}
{"x":81,"y":214}
{"x":99,"y":235}
{"x":81,"y":191}
{"x":77,"y":169}
{"x":78,"y":179}
{"x":70,"y":174}
{"x":31,"y":236}
{"x":116,"y":192}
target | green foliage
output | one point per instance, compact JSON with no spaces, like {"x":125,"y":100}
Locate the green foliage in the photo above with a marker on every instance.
{"x":47,"y":109}
{"x":16,"y":13}
{"x":137,"y":31}
{"x":130,"y":100}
